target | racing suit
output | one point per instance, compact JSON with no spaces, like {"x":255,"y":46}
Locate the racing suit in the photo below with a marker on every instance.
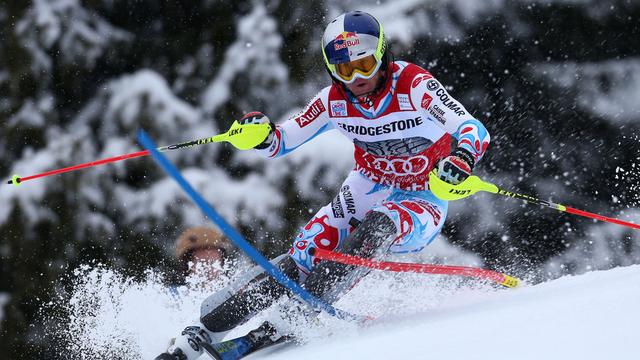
{"x":398,"y":140}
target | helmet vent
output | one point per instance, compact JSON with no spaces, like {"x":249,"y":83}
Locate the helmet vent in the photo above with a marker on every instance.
{"x":361,"y":53}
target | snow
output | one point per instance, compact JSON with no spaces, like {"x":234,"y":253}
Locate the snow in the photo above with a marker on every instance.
{"x":608,"y":244}
{"x":111,"y":313}
{"x":109,"y":309}
{"x":593,"y":316}
{"x":80,"y":35}
{"x":589,"y":316}
{"x":4,"y":299}
{"x":143,"y":91}
{"x":255,"y":52}
{"x":594,"y":82}
{"x":32,"y":113}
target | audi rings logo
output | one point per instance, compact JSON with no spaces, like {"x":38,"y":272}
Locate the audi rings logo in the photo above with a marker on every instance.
{"x":415,"y":165}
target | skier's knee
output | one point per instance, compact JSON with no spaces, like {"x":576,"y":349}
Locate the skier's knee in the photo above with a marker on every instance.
{"x":372,"y":235}
{"x":317,"y":233}
{"x":375,"y":231}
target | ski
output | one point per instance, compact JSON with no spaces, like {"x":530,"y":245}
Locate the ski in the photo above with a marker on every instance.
{"x":258,"y":339}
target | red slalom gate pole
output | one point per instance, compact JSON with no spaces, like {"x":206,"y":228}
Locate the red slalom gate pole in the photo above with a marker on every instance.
{"x":494,"y":276}
{"x":17,"y":180}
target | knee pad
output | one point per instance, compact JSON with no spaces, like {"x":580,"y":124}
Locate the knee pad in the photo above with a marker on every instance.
{"x":317,"y":233}
{"x":330,"y":279}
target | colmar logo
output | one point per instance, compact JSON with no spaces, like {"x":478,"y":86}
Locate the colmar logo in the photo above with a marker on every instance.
{"x":450,"y":103}
{"x":311,"y":114}
{"x":426,"y":101}
{"x":348,"y":199}
{"x":346,"y":39}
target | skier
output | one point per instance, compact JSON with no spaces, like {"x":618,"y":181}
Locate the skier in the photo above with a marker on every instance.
{"x":403,"y":123}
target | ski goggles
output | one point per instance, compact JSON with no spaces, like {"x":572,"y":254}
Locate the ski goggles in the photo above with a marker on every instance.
{"x":364,"y":68}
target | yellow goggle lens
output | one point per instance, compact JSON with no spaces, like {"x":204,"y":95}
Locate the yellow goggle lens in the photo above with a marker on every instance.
{"x":364,"y":66}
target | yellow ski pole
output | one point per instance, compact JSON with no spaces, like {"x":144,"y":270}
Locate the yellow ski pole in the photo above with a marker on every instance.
{"x":474,"y":184}
{"x":241,"y":136}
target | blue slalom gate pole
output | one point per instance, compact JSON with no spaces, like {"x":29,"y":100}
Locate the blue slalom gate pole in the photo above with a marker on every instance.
{"x":237,"y":239}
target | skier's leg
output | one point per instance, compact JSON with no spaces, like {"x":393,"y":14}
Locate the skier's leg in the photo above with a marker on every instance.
{"x":330,"y":280}
{"x":418,"y":216}
{"x":254,"y":291}
{"x":333,"y":223}
{"x":406,"y":221}
{"x":230,"y":307}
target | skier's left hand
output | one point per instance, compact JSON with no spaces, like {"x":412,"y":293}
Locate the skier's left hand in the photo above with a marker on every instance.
{"x":456,"y":167}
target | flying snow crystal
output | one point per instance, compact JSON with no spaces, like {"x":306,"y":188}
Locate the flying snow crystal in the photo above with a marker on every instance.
{"x":111,"y":315}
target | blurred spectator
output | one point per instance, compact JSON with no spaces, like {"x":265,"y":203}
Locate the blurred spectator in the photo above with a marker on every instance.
{"x":203,"y":251}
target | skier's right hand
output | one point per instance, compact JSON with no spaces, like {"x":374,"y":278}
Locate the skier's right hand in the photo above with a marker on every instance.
{"x":256,"y":117}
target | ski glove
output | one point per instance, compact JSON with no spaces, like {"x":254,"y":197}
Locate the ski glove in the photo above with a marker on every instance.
{"x":256,"y":117}
{"x":456,"y":167}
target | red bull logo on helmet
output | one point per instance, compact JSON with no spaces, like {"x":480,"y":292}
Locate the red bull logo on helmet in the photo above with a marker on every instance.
{"x":346,"y":39}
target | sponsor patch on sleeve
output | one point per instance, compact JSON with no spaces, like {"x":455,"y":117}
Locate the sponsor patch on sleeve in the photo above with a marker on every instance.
{"x":426,"y":101}
{"x":311,"y":114}
{"x":432,"y":85}
{"x":404,"y":103}
{"x":338,"y":108}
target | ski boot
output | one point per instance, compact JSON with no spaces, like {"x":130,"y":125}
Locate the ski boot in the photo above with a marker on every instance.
{"x":193,"y":344}
{"x":229,"y":308}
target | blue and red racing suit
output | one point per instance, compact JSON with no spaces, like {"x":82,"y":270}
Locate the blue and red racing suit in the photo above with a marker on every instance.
{"x":398,"y":140}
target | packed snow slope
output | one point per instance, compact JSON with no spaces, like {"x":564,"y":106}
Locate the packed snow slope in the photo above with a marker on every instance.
{"x":591,"y":316}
